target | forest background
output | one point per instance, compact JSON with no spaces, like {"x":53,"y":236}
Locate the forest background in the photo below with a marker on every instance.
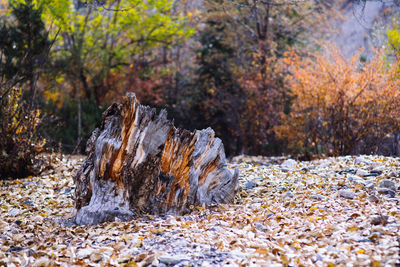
{"x":262,"y":74}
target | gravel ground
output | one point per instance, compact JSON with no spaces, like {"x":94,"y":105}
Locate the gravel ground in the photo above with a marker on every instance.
{"x":335,"y":211}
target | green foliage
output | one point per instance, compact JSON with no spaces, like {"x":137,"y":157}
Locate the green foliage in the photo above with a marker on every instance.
{"x":96,"y":41}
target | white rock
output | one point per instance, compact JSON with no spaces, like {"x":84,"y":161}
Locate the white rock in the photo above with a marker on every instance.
{"x":362,"y":159}
{"x":237,"y":254}
{"x":84,"y":253}
{"x":15,"y":212}
{"x":356,"y":180}
{"x":288,"y":165}
{"x":168,"y":259}
{"x":388,"y":184}
{"x":346,"y":193}
{"x":324,"y":165}
{"x":362,"y":172}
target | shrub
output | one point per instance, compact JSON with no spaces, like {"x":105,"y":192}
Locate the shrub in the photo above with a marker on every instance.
{"x":19,"y":144}
{"x":339,"y":104}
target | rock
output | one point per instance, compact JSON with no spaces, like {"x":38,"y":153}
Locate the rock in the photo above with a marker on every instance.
{"x":388,"y":192}
{"x":261,"y":227}
{"x":15,"y":212}
{"x":347,"y":170}
{"x":84,"y":253}
{"x":288,"y":165}
{"x":15,"y":249}
{"x":378,"y":170}
{"x":374,"y":236}
{"x":269,"y":215}
{"x":373,"y":198}
{"x":318,"y":197}
{"x":96,"y":257}
{"x":182,"y":242}
{"x":29,"y":202}
{"x":257,"y":200}
{"x":356,"y":180}
{"x":372,"y":174}
{"x":370,"y":186}
{"x":26,"y":184}
{"x":171,"y":260}
{"x":362,"y":172}
{"x":249,"y":185}
{"x":237,"y":254}
{"x":347,"y":193}
{"x":318,"y":257}
{"x":324,"y":165}
{"x":287,"y":195}
{"x":362,"y":160}
{"x":388,"y":184}
{"x":380,"y":219}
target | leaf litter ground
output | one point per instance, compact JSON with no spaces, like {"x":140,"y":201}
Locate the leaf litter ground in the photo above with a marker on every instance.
{"x":335,"y":211}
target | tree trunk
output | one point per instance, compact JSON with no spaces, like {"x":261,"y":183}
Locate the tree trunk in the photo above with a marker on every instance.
{"x":138,"y":162}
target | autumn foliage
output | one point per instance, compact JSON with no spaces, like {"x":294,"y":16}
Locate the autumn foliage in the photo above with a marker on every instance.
{"x":18,"y":138}
{"x":339,"y":104}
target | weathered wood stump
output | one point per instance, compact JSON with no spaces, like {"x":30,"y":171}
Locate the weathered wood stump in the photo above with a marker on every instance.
{"x":138,"y":162}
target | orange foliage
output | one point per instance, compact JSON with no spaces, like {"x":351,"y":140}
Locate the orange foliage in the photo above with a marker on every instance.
{"x":339,"y":104}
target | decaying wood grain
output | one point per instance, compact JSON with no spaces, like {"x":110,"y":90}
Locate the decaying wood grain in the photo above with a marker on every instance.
{"x":138,"y":162}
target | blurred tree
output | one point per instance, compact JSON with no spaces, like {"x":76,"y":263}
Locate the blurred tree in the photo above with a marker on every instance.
{"x":239,"y":88}
{"x":24,"y":45}
{"x":217,"y":96}
{"x":339,"y":103}
{"x":100,"y":39}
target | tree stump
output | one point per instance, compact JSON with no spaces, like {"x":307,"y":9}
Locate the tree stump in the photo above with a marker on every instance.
{"x":138,"y":162}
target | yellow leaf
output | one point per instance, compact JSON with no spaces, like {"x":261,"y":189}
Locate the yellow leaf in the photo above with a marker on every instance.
{"x":262,"y":251}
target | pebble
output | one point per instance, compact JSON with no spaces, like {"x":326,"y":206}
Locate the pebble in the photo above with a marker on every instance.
{"x":96,"y":257}
{"x":370,"y":186}
{"x":84,"y":253}
{"x":26,"y":184}
{"x":346,"y":193}
{"x":288,"y":165}
{"x":373,"y":198}
{"x":361,"y":159}
{"x":261,"y":227}
{"x":388,"y":192}
{"x":362,"y":172}
{"x":356,"y":180}
{"x":249,"y":185}
{"x":318,"y":197}
{"x":15,"y":212}
{"x":288,"y":195}
{"x":378,"y":170}
{"x":29,"y":202}
{"x":168,"y":259}
{"x":388,"y":184}
{"x":324,"y":165}
{"x":374,"y":235}
{"x":379,"y":220}
{"x":237,"y":254}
